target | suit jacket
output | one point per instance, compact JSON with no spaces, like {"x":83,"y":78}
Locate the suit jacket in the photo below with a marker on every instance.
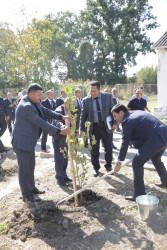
{"x":137,"y":127}
{"x":87,"y":110}
{"x":59,"y":101}
{"x":27,"y":124}
{"x":114,"y":101}
{"x":46,"y":104}
{"x":60,"y":139}
{"x":78,"y":112}
{"x":11,"y":110}
{"x":3,"y":110}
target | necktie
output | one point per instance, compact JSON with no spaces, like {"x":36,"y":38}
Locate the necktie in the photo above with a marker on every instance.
{"x":99,"y":113}
{"x":51,"y":103}
{"x":80,"y":104}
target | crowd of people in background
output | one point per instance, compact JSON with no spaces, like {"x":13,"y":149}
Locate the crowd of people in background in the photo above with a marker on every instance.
{"x":32,"y":116}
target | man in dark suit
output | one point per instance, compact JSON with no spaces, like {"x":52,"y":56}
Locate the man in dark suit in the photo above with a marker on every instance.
{"x":78,"y":106}
{"x":114,"y":103}
{"x":48,"y":103}
{"x":96,"y":108}
{"x":60,"y":100}
{"x":59,"y":142}
{"x":149,"y":136}
{"x":11,"y":108}
{"x":28,"y":125}
{"x":3,"y":125}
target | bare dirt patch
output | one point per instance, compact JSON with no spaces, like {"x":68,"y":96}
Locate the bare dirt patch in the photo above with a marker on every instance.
{"x":103,"y":220}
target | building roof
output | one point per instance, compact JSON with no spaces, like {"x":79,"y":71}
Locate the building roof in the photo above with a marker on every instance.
{"x":161,"y":43}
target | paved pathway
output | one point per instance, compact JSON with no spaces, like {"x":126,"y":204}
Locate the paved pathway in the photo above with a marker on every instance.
{"x":117,"y":142}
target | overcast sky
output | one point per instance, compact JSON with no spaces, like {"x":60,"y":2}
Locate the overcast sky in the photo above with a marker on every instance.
{"x":10,"y":9}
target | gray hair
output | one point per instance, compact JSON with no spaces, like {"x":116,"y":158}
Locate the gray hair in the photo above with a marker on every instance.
{"x":77,"y":90}
{"x":49,"y":91}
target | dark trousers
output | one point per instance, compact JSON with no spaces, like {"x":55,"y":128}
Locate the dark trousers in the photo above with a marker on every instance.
{"x":101,"y":133}
{"x":3,"y":126}
{"x":44,"y":139}
{"x":152,"y":149}
{"x":26,"y":163}
{"x":60,"y":161}
{"x":9,"y":122}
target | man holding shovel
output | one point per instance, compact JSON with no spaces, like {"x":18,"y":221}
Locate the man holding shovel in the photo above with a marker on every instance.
{"x":149,"y":136}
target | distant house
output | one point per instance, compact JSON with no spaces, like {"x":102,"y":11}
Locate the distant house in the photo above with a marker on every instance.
{"x":161,"y":46}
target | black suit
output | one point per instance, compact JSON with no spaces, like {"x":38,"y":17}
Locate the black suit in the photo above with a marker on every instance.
{"x":3,"y":124}
{"x":59,"y":101}
{"x":46,"y":103}
{"x":11,"y":112}
{"x":59,"y":142}
{"x":103,"y":132}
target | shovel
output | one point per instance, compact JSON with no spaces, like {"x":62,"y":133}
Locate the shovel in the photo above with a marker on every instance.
{"x":90,"y":184}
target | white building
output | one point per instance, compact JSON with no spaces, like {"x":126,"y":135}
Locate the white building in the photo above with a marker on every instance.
{"x":161,"y":46}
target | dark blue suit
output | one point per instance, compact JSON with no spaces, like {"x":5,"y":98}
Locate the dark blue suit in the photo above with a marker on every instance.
{"x":59,"y":101}
{"x":59,"y":142}
{"x":149,"y":136}
{"x":29,"y":122}
{"x":46,"y":104}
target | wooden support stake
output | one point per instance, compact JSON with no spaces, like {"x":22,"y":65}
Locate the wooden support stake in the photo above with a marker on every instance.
{"x":73,"y":170}
{"x":90,"y":184}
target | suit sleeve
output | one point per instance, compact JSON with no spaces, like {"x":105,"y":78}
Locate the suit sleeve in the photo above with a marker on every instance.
{"x":59,"y":102}
{"x":30,"y":114}
{"x":6,"y":108}
{"x":51,"y":114}
{"x":84,"y":116}
{"x":126,"y":137}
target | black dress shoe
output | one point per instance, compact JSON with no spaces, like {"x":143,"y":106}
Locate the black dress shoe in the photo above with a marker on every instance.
{"x":114,"y":147}
{"x":31,"y":199}
{"x":45,"y":151}
{"x":68,"y":179}
{"x":62,"y":183}
{"x":28,"y":199}
{"x":37,"y":191}
{"x":95,"y":172}
{"x":131,"y":198}
{"x":36,"y":199}
{"x":108,"y":169}
{"x":158,"y":184}
{"x":4,"y":150}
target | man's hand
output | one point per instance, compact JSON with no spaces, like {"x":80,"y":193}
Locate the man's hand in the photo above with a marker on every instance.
{"x":114,"y":127}
{"x":65,"y":131}
{"x":66,"y":118}
{"x":117,"y":167}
